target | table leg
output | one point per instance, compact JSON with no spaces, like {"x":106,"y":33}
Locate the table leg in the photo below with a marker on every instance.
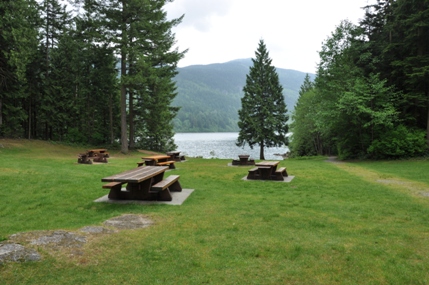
{"x":140,"y":191}
{"x":164,"y":195}
{"x":150,"y":162}
{"x":116,"y":193}
{"x":265,"y":173}
{"x":273,"y":172}
{"x":175,"y":187}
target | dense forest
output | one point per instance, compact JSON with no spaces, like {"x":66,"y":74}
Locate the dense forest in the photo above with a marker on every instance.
{"x":209,"y":96}
{"x":59,"y":78}
{"x":104,"y":72}
{"x":370,"y":98}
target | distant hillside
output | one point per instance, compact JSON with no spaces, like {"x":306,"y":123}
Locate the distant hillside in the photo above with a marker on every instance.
{"x":210,"y":95}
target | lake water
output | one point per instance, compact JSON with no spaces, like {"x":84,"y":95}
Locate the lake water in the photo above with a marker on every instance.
{"x":220,"y":145}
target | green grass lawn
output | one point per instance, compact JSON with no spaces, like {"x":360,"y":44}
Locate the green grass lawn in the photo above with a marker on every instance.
{"x":335,"y":223}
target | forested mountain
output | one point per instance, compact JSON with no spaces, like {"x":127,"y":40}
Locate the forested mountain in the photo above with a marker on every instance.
{"x":210,"y":95}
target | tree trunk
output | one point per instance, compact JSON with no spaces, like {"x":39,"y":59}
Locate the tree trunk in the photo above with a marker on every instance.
{"x":131,"y":119}
{"x":427,"y":129}
{"x":427,"y":123}
{"x":29,"y":119}
{"x":111,"y":119}
{"x":261,"y":151}
{"x":124,"y":141}
{"x":1,"y":113}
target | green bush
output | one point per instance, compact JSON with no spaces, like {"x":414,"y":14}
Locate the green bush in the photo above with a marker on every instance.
{"x":399,"y":143}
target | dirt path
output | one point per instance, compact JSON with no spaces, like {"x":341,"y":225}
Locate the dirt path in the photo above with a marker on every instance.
{"x":415,"y":188}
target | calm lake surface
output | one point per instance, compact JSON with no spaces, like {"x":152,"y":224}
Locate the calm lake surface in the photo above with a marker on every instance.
{"x":220,"y":145}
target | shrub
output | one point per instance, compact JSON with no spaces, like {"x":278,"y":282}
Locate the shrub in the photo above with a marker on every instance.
{"x":399,"y":143}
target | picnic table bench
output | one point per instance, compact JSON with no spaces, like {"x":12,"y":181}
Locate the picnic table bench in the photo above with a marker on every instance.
{"x":143,"y":183}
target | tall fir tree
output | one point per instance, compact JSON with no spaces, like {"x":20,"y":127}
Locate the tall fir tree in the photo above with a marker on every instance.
{"x":263,"y":114}
{"x":412,"y":25}
{"x":18,"y":41}
{"x":306,"y":86}
{"x":55,"y":23}
{"x":398,"y":34}
{"x":140,"y":34}
{"x":153,"y":65}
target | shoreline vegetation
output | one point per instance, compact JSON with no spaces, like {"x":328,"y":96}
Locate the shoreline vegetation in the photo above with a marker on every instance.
{"x":345,"y":222}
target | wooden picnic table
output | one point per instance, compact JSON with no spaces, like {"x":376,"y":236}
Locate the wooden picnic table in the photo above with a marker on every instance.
{"x":267,"y":170}
{"x":94,"y":152}
{"x":159,"y":160}
{"x":143,"y":183}
{"x":243,"y":159}
{"x":175,"y":155}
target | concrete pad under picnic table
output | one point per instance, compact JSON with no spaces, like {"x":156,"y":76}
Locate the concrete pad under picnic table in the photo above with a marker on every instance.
{"x":178,"y":199}
{"x":285,"y":179}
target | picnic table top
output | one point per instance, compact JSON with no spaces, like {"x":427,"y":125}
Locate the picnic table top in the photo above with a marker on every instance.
{"x":243,"y":155}
{"x":156,"y":157}
{"x":267,"y":163}
{"x":173,"y":152}
{"x":97,"y":150}
{"x":136,"y":175}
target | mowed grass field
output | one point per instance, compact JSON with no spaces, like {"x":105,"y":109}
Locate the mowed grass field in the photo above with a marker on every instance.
{"x":334,"y":223}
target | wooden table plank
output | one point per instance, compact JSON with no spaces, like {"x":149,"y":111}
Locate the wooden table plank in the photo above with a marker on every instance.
{"x":157,"y":157}
{"x":136,"y":175}
{"x":267,"y":163}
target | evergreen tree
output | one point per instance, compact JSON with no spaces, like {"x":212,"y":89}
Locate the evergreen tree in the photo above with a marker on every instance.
{"x":411,"y":25}
{"x":306,"y":134}
{"x":18,"y":41}
{"x":94,"y":76}
{"x":398,"y":41}
{"x":153,"y":65}
{"x":263,"y":116}
{"x":139,"y":33}
{"x":54,"y":25}
{"x":306,"y":86}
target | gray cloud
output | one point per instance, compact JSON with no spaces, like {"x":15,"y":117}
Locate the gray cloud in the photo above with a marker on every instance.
{"x":198,"y":13}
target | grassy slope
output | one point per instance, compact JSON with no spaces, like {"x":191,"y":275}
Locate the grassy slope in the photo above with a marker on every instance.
{"x":333,"y":224}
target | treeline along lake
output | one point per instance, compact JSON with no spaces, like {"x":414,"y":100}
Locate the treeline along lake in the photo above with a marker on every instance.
{"x":221,"y":145}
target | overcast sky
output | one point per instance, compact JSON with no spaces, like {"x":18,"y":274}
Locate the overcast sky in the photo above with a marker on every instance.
{"x":217,"y":31}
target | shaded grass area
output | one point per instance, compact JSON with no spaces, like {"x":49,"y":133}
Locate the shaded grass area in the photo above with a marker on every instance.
{"x":330,"y":225}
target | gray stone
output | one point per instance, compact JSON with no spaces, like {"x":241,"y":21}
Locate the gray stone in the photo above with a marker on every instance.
{"x":96,"y":230}
{"x":63,"y":241}
{"x":60,"y":238}
{"x":17,"y":253}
